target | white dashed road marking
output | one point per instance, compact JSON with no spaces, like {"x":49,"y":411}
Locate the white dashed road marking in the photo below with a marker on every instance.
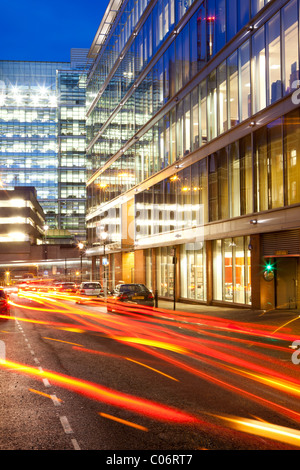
{"x":2,"y":351}
{"x":63,"y":419}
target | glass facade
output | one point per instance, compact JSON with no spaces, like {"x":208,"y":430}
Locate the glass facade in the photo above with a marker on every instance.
{"x":184,"y":118}
{"x":28,"y":130}
{"x":245,"y":177}
{"x":42,"y":137}
{"x":71,"y":151}
{"x":241,"y":86}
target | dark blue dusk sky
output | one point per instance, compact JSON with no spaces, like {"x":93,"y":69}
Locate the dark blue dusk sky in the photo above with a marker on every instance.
{"x":41,"y":30}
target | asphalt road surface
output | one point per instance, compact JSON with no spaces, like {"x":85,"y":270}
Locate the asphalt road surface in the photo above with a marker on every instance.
{"x":75,"y":377}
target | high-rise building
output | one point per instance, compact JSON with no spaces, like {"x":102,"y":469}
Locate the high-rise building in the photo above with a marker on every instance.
{"x":193,"y":170}
{"x":42,"y":135}
{"x":28,"y":130}
{"x":71,"y":152}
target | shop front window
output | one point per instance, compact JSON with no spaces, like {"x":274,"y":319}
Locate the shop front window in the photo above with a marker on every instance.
{"x":165,"y":272}
{"x":231,"y":270}
{"x":193,"y":271}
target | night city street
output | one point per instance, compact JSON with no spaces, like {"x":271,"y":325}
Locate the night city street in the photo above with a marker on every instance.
{"x":150,"y":231}
{"x":77,"y":377}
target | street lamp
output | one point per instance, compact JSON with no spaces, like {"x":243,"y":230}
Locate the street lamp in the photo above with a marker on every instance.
{"x":104,"y":263}
{"x":81,"y":246}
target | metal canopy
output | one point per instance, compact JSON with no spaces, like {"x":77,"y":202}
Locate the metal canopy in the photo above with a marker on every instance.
{"x":104,"y":28}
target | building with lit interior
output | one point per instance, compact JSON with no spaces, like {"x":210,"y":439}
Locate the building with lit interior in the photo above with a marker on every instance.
{"x":42,"y":135}
{"x":193,"y":149}
{"x":22,"y":217}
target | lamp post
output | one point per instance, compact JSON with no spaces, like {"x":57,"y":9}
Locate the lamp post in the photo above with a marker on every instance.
{"x":80,"y":246}
{"x":45,"y":246}
{"x":45,"y":232}
{"x":104,"y":263}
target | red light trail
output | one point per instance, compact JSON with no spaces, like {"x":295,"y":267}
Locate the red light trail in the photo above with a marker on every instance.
{"x":202,"y":340}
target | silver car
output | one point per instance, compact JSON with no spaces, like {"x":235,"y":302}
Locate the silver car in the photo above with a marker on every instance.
{"x":90,"y":289}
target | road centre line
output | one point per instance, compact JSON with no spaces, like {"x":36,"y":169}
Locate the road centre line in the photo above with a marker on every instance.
{"x":66,"y":425}
{"x":63,"y":419}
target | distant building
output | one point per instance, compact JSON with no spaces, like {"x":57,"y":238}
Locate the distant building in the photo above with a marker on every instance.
{"x":42,"y":135}
{"x":193,"y":149}
{"x":22,"y":219}
{"x":28,"y":248}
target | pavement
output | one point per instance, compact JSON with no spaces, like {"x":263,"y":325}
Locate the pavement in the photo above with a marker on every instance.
{"x":283,"y":320}
{"x":288,"y":321}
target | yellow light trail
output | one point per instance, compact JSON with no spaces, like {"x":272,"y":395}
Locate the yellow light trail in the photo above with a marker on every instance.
{"x":61,"y":341}
{"x":151,"y":368}
{"x":43,"y":394}
{"x":71,"y":329}
{"x":262,"y":429}
{"x":123,"y":421}
{"x":282,"y":326}
{"x":288,"y":387}
{"x":151,"y":342}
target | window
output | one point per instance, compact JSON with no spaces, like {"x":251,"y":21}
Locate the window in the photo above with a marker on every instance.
{"x":292,"y":153}
{"x":274,"y":60}
{"x":290,"y":44}
{"x":195,"y":118}
{"x":245,"y":82}
{"x":258,"y":71}
{"x":232,"y":72}
{"x":212,"y":105}
{"x":220,"y":24}
{"x":234,"y":179}
{"x":187,"y":125}
{"x":275,"y":152}
{"x":261,"y":170}
{"x":218,"y":185}
{"x":193,"y":272}
{"x":245,"y":150}
{"x":222,"y":98}
{"x":203,"y":111}
{"x":231,"y":270}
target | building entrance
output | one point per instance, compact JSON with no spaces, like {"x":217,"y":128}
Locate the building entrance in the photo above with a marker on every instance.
{"x":286,"y":287}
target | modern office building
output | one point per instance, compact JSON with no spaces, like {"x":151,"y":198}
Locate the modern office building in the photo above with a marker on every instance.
{"x":193,"y":149}
{"x":71,"y":152}
{"x":42,"y":135}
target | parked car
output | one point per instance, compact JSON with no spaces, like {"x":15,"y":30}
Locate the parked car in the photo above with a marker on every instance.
{"x":4,"y":305}
{"x":131,"y":293}
{"x":90,"y":289}
{"x":66,"y":287}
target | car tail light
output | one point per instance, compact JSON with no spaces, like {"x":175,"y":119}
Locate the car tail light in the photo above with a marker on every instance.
{"x":150,"y":296}
{"x":123,"y":296}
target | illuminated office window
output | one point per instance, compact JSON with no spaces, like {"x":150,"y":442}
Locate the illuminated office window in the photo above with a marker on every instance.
{"x":290,"y":44}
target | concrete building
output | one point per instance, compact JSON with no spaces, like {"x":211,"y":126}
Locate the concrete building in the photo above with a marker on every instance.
{"x":26,"y":247}
{"x":193,"y":170}
{"x":22,"y":219}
